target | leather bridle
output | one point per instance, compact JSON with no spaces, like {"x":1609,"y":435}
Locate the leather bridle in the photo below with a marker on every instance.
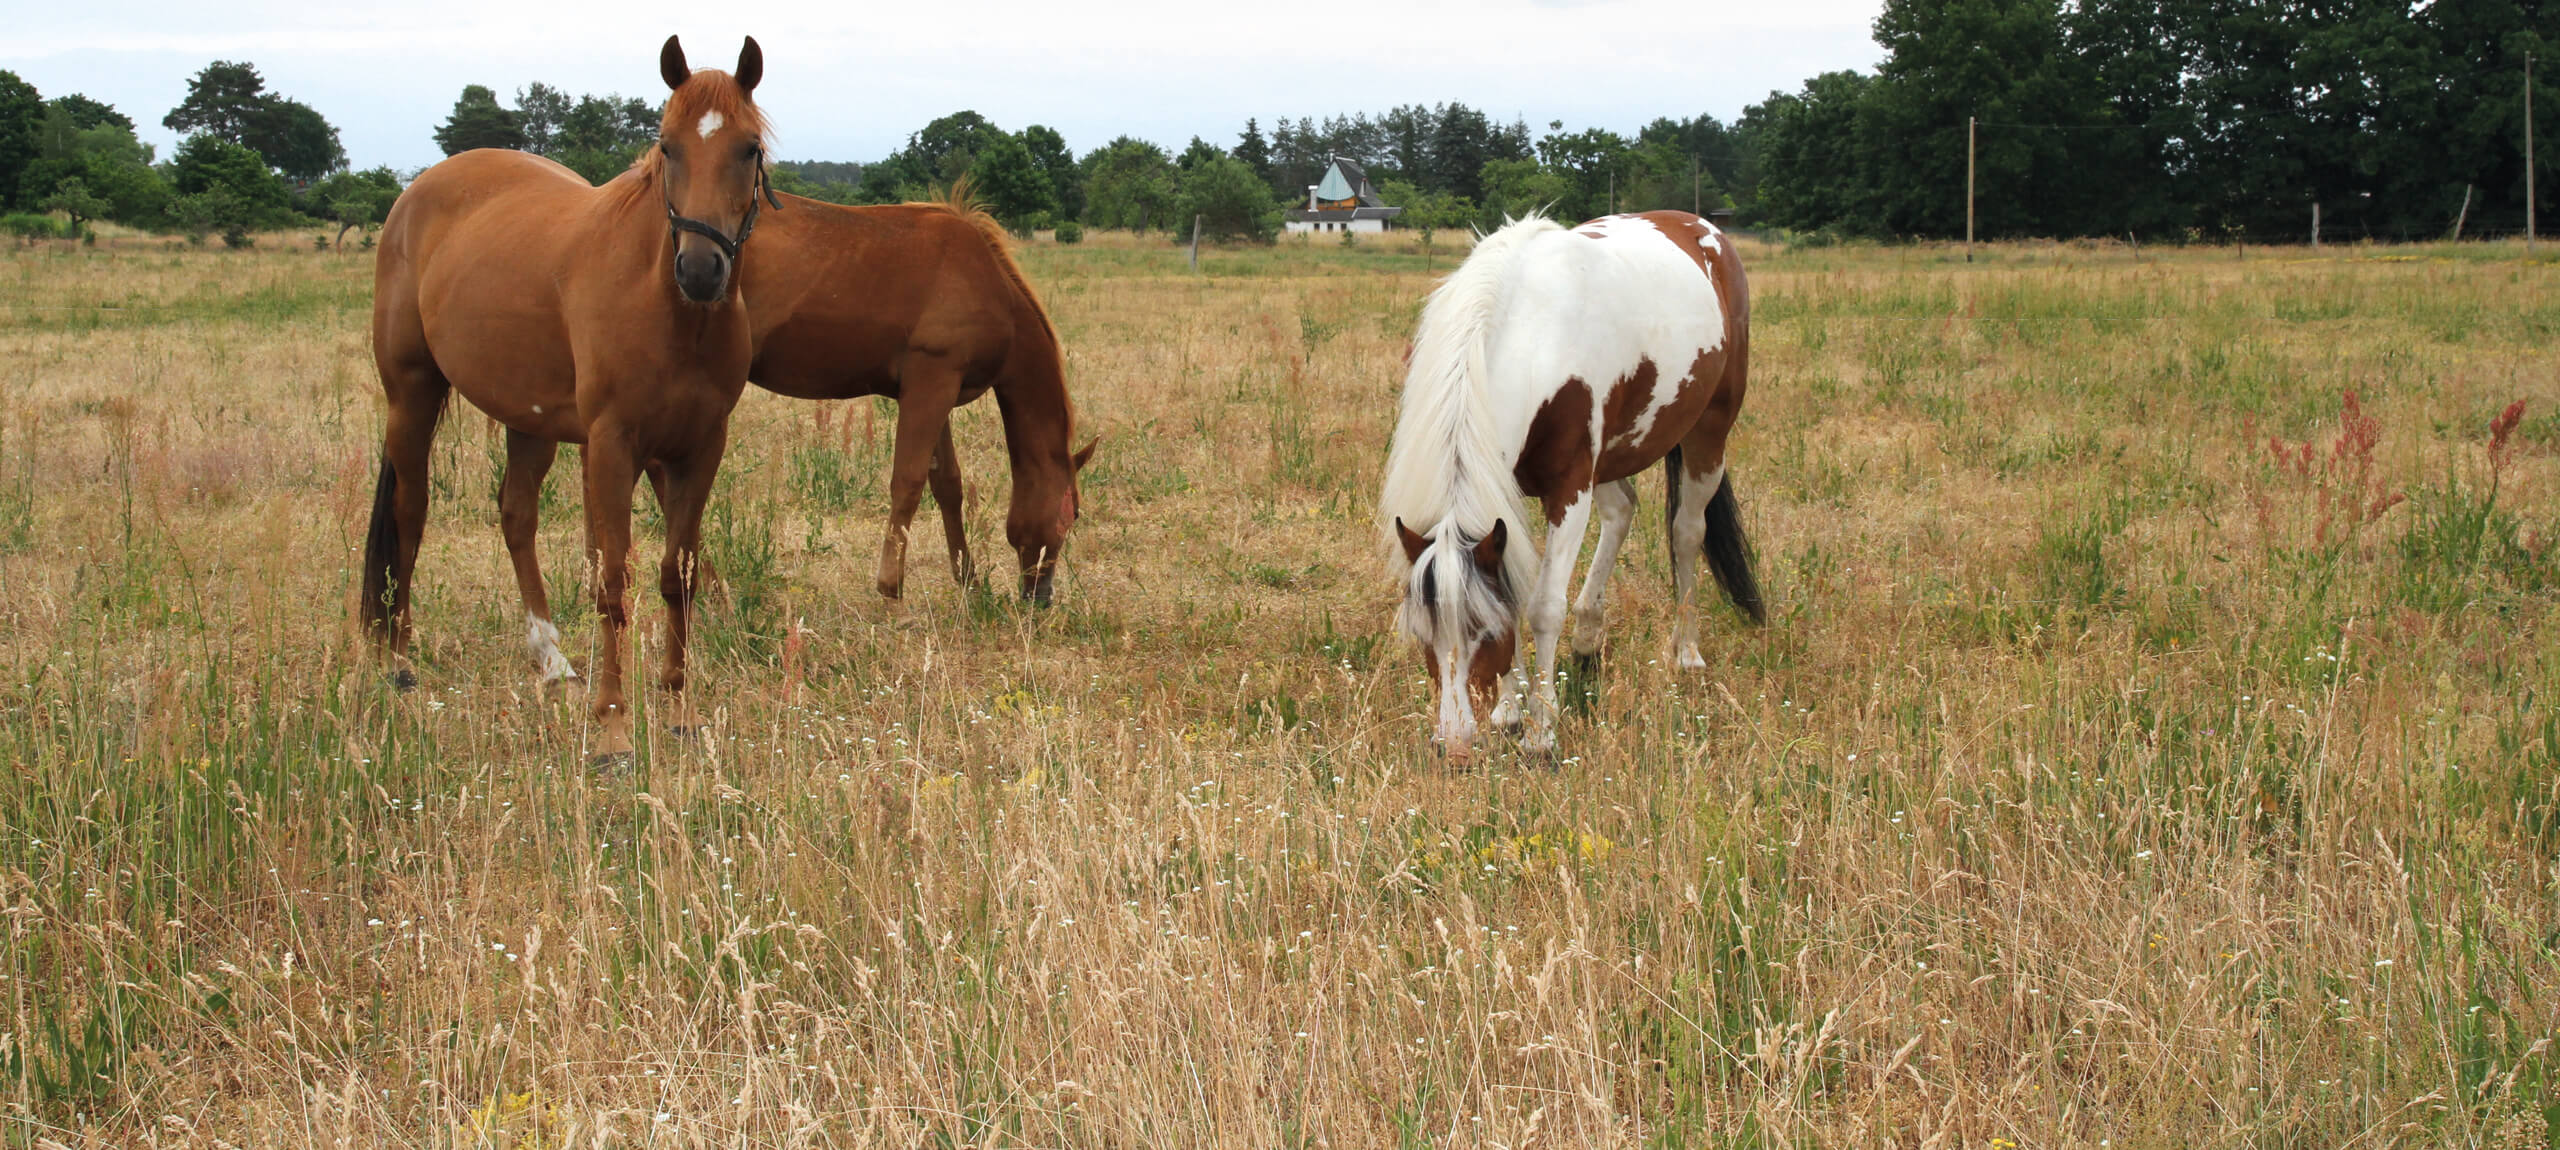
{"x":756,"y":200}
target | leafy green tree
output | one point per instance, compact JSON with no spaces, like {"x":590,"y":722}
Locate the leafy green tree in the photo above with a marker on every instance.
{"x":1815,"y":154}
{"x":1462,"y":142}
{"x":222,"y":101}
{"x":540,"y":111}
{"x":478,"y":121}
{"x":1427,"y":213}
{"x":1129,"y":183}
{"x":1200,"y":152}
{"x":215,"y":210}
{"x":21,"y":121}
{"x":1229,"y":199}
{"x":1591,"y":163}
{"x":71,"y":197}
{"x":295,"y":140}
{"x":602,"y":135}
{"x":355,"y":201}
{"x":104,"y":158}
{"x":1256,"y":153}
{"x":1515,"y":189}
{"x":1011,"y":183}
{"x":791,"y":178}
{"x":229,"y":101}
{"x":250,"y":194}
{"x":85,"y":113}
{"x":1058,"y":164}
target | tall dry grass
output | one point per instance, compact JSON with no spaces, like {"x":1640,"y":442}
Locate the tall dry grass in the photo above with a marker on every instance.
{"x":2113,"y":773}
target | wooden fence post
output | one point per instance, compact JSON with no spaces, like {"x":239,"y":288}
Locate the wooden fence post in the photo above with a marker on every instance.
{"x":1195,"y":241}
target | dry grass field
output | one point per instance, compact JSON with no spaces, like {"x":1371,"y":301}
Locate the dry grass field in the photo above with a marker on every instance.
{"x":2108,"y":776}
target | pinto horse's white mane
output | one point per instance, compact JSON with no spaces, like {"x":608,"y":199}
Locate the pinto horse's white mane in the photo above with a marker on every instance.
{"x":1448,"y":475}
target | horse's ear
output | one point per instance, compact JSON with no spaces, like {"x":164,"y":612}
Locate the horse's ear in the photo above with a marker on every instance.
{"x":671,"y":67}
{"x":1488,"y":552}
{"x":1084,"y":455}
{"x":750,"y":66}
{"x":1413,"y":544}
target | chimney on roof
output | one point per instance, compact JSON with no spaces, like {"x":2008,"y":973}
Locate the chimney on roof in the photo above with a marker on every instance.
{"x":1311,"y":197}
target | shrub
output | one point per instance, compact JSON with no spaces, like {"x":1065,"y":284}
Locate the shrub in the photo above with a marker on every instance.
{"x":1070,"y":232}
{"x":30,"y":226}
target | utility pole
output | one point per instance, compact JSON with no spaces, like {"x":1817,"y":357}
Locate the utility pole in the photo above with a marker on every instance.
{"x":1696,"y":203}
{"x":2315,"y":225}
{"x":1969,"y":124}
{"x":2528,"y":153}
{"x":1195,"y":242}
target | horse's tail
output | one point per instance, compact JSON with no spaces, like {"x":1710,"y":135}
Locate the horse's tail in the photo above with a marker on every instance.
{"x":1726,"y":549}
{"x":381,"y":550}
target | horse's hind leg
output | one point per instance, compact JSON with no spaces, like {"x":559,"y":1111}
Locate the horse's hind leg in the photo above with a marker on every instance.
{"x":520,"y":518}
{"x":416,"y":392}
{"x":1692,"y":472}
{"x":945,"y":479}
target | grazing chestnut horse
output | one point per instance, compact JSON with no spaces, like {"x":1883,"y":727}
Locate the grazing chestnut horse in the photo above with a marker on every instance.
{"x":1559,"y":363}
{"x":601,"y":316}
{"x":923,"y":303}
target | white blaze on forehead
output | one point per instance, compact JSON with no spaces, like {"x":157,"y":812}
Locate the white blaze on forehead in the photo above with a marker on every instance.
{"x":711,"y":122}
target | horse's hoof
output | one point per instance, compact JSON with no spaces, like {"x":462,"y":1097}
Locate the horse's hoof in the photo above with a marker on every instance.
{"x":889,"y":590}
{"x":685,"y":732}
{"x":609,"y":762}
{"x":404,"y":680}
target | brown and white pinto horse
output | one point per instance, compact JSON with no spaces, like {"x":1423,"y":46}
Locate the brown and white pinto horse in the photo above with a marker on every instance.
{"x":924,"y":304}
{"x":1558,"y":363}
{"x":602,"y":316}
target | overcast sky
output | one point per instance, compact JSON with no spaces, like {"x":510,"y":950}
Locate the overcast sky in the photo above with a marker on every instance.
{"x":848,"y":80}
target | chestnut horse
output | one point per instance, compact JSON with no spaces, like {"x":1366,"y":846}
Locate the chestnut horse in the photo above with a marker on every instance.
{"x":924,"y":304}
{"x":1559,"y":363}
{"x":601,"y":316}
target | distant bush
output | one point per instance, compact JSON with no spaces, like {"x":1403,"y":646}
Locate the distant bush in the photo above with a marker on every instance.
{"x":30,"y":226}
{"x":1070,"y":232}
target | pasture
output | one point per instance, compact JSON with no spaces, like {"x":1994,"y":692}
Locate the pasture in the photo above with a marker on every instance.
{"x":2107,"y":775}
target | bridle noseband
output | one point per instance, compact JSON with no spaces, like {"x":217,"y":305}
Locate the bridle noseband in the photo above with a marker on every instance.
{"x":756,"y":200}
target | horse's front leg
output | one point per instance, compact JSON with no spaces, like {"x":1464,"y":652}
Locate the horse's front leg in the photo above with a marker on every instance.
{"x":610,"y":473}
{"x":529,"y":460}
{"x":1616,"y":507}
{"x":684,"y":495}
{"x":1544,"y":608}
{"x":924,"y":407}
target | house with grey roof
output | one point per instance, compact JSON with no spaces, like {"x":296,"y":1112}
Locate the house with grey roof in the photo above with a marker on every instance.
{"x":1343,"y":202}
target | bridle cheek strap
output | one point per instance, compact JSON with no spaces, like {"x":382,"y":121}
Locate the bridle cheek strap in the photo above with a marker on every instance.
{"x":678,"y":225}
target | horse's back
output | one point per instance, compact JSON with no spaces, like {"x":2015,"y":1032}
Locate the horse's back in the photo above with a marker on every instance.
{"x":849,"y":292}
{"x":470,"y":274}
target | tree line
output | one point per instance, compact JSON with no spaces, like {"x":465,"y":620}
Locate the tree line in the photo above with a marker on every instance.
{"x":2195,"y":119}
{"x":249,"y":159}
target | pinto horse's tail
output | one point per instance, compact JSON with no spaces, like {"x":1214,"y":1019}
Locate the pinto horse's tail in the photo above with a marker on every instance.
{"x":1726,"y":548}
{"x":381,"y":550}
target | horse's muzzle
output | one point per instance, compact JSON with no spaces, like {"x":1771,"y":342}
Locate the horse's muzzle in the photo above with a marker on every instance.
{"x":1036,"y":586}
{"x":702,"y":276}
